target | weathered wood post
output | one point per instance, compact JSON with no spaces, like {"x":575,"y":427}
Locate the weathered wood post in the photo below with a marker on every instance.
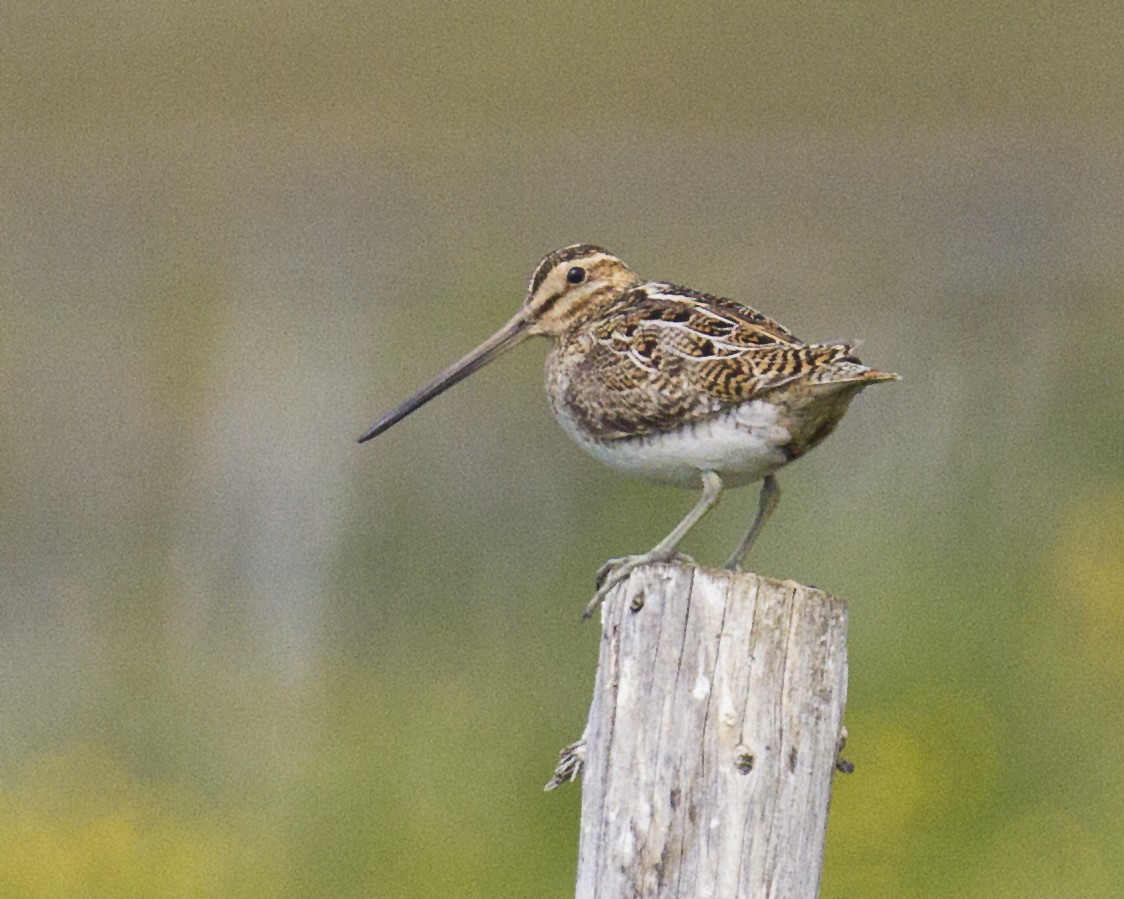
{"x":712,"y":739}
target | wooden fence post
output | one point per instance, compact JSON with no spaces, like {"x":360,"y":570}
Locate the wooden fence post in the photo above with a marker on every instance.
{"x":712,"y":739}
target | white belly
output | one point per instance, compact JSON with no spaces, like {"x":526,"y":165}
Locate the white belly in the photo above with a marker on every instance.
{"x":742,"y":445}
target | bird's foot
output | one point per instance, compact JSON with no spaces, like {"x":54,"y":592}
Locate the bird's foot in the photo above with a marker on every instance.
{"x":615,"y":571}
{"x":635,"y":561}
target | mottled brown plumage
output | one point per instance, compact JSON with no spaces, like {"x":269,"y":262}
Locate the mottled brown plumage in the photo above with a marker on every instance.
{"x":704,"y":353}
{"x":669,"y":383}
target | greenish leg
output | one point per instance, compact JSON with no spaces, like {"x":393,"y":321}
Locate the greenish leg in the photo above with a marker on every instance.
{"x":770,"y":496}
{"x":616,"y":570}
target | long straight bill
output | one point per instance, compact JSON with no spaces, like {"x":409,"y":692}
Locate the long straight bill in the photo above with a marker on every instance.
{"x":511,"y":334}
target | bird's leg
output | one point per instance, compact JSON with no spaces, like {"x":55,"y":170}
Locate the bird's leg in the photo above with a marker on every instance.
{"x":616,"y":570}
{"x":770,"y":496}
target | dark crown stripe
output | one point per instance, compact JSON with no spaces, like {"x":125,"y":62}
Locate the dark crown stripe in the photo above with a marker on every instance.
{"x":549,"y":263}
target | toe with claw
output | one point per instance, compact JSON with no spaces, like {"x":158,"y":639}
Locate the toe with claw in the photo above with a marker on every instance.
{"x":615,"y":571}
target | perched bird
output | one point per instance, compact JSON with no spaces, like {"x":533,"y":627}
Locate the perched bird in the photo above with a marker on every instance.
{"x":678,"y":386}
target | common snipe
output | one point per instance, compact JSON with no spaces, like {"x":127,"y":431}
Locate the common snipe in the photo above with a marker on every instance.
{"x":681,"y":387}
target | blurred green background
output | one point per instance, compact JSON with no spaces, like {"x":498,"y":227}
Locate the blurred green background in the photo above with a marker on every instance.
{"x":242,"y":656}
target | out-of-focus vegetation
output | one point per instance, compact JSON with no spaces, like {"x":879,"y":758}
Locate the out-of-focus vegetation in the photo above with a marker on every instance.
{"x":242,"y":656}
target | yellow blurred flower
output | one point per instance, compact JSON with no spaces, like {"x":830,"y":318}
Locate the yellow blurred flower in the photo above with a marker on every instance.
{"x":1088,"y":568}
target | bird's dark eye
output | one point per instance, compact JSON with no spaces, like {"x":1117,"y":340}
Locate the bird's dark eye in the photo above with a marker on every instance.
{"x":576,"y":275}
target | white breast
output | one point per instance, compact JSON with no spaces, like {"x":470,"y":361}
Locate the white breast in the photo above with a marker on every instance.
{"x":742,"y":445}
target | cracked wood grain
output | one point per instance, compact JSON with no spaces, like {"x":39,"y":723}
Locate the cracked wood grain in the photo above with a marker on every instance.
{"x":712,"y":738}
